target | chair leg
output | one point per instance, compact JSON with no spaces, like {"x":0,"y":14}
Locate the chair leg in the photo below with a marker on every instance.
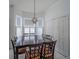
{"x":43,"y":57}
{"x":52,"y":57}
{"x":14,"y":57}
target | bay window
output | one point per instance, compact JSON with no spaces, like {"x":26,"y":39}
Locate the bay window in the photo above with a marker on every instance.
{"x":27,"y":30}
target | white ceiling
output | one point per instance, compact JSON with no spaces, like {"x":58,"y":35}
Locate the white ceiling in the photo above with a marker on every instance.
{"x":28,"y":5}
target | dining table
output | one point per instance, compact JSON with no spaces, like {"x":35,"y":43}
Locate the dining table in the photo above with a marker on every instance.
{"x":18,"y":46}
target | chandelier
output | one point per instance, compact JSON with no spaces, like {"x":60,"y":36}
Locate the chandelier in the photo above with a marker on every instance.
{"x":34,"y":19}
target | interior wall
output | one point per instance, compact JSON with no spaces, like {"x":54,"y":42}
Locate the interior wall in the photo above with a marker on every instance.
{"x":59,"y":8}
{"x":63,"y":35}
{"x":57,"y":24}
{"x":11,"y":24}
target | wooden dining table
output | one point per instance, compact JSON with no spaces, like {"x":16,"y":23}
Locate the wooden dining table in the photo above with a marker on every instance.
{"x":26,"y":45}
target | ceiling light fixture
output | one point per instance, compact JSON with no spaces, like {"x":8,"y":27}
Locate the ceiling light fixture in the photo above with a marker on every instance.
{"x":34,"y":19}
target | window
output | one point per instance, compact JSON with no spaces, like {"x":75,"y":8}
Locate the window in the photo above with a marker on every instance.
{"x":19,"y":31}
{"x":39,"y":31}
{"x":26,"y":30}
{"x":18,"y":20}
{"x":25,"y":26}
{"x":32,"y":30}
{"x":18,"y":26}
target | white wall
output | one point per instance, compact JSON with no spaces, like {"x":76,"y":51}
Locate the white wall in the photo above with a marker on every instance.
{"x":11,"y":24}
{"x":59,"y":8}
{"x":63,"y":35}
{"x":57,"y":25}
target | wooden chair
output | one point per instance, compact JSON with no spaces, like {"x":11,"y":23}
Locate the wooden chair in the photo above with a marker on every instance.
{"x":48,"y":50}
{"x":20,"y":51}
{"x":14,"y":50}
{"x":47,"y":37}
{"x":34,"y":51}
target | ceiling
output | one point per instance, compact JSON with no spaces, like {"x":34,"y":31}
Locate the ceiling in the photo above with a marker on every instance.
{"x":28,"y":5}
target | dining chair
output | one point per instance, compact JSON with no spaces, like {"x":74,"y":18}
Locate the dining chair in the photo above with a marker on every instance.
{"x":14,"y":50}
{"x":20,"y":51}
{"x":34,"y":51}
{"x":48,"y":50}
{"x":47,"y":37}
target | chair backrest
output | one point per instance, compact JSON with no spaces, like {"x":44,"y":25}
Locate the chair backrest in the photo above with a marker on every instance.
{"x":13,"y":45}
{"x":47,"y":37}
{"x":48,"y":48}
{"x":34,"y":51}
